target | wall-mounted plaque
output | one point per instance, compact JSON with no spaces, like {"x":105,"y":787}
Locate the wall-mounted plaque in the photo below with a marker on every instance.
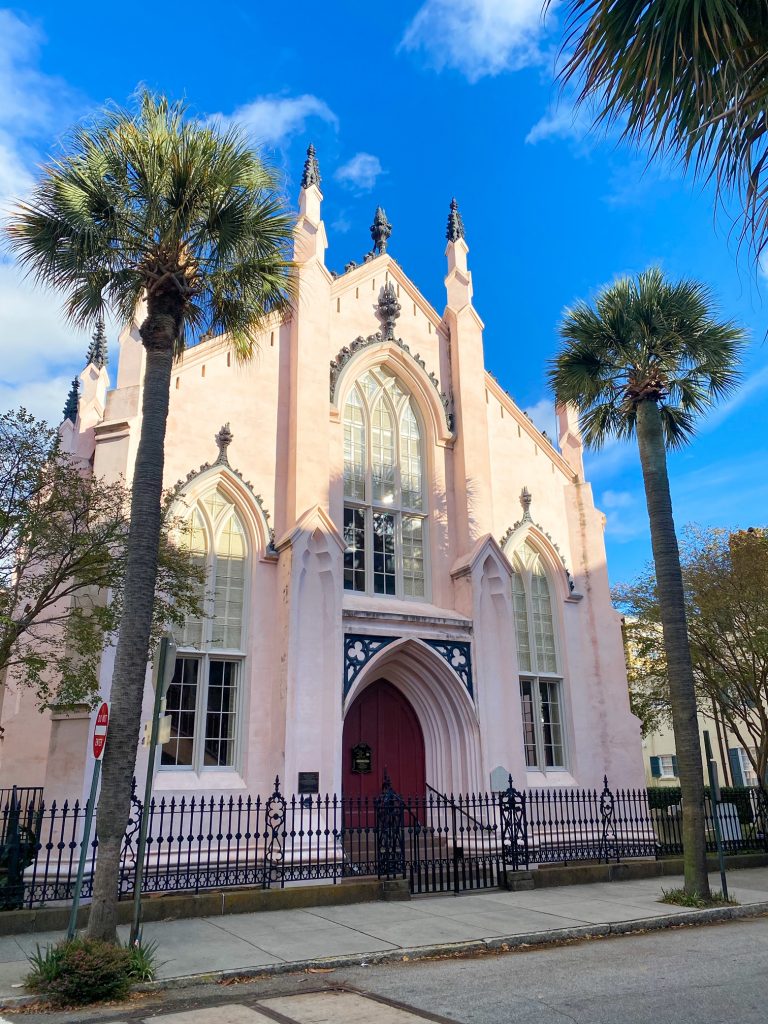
{"x":309,"y":782}
{"x":362,"y":759}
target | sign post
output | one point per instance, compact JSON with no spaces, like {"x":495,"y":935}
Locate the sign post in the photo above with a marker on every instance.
{"x":165,"y":666}
{"x":100,"y":729}
{"x":714,"y":796}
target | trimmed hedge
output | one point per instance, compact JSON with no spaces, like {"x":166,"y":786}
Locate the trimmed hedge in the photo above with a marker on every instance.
{"x":662,"y":797}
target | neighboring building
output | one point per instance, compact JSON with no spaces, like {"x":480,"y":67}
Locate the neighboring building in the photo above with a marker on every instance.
{"x":405,"y":574}
{"x":661,"y":761}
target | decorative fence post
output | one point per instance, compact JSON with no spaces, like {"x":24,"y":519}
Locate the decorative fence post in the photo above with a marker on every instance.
{"x":274,"y":838}
{"x":514,"y":828}
{"x":607,"y":824}
{"x":390,"y":829}
{"x":132,"y":828}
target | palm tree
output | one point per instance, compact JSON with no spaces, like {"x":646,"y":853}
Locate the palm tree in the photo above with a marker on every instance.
{"x":646,"y":360}
{"x":688,"y":77}
{"x":178,"y":224}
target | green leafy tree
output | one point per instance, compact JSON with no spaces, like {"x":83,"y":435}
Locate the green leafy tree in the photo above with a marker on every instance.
{"x":179,"y":226}
{"x":725,"y":577}
{"x":643,"y":362}
{"x":688,"y":78}
{"x":63,"y":540}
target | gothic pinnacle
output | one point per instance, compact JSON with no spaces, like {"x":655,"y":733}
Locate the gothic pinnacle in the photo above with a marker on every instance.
{"x":70,"y":409}
{"x":381,"y":229}
{"x":455,"y":228}
{"x":311,"y":175}
{"x":97,"y":350}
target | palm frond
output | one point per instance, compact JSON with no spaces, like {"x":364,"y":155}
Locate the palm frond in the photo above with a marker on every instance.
{"x":645,"y":339}
{"x":150,"y":202}
{"x":687,"y":77}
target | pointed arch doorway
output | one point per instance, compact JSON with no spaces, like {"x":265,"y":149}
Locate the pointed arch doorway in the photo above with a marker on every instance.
{"x":382,"y":733}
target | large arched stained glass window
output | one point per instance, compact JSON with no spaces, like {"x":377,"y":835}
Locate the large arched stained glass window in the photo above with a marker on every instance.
{"x":384,"y":503}
{"x":541,"y":682}
{"x":203,"y":700}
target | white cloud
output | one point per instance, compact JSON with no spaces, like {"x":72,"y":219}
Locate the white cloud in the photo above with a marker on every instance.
{"x":342,"y":225}
{"x":543,"y":415}
{"x":360,"y":172}
{"x":274,"y":119}
{"x":479,"y":37}
{"x":753,"y":386}
{"x":43,"y":398}
{"x":625,"y":513}
{"x":33,"y":331}
{"x":562,"y":121}
{"x":39,"y":352}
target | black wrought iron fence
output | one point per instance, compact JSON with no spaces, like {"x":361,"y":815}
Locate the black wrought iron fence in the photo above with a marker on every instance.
{"x":438,"y":842}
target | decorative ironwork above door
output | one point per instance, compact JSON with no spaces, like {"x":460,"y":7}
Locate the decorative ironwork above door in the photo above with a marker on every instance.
{"x":360,"y":648}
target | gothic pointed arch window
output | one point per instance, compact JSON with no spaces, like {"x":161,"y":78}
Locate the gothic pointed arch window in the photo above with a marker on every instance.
{"x":539,"y":662}
{"x":385,"y":526}
{"x":204,"y":697}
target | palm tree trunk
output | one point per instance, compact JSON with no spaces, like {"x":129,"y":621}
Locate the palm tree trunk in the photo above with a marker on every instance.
{"x":669,"y":580}
{"x":133,"y":644}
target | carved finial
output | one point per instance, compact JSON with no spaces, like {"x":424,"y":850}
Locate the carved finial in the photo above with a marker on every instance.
{"x":97,"y":350}
{"x":525,"y":500}
{"x":389,"y":310}
{"x":70,"y":409}
{"x":311,"y":175}
{"x":455,"y":229}
{"x":381,"y":229}
{"x":223,"y":441}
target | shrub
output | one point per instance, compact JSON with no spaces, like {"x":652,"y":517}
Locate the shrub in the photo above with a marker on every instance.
{"x":681,"y":898}
{"x":662,"y":797}
{"x":88,"y":970}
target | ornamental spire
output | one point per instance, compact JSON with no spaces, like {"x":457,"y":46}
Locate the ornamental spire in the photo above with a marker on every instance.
{"x":311,"y":175}
{"x":223,"y":441}
{"x":389,"y":310}
{"x":70,"y":409}
{"x":381,"y":229}
{"x":455,"y":229}
{"x":97,"y":350}
{"x":525,"y":501}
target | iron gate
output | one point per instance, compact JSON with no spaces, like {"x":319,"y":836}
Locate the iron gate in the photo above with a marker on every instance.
{"x":440,"y":843}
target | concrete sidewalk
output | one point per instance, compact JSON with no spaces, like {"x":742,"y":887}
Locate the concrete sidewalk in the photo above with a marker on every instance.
{"x":289,"y":939}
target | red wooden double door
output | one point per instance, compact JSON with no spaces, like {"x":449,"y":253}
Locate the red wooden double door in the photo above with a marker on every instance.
{"x":382,"y":734}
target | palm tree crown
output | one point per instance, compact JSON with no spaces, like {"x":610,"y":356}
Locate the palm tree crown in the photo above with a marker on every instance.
{"x":646,"y":339}
{"x":161,"y":208}
{"x":178,"y":225}
{"x":689,"y":77}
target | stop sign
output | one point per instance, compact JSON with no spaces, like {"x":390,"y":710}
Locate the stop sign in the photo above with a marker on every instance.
{"x":100,"y":731}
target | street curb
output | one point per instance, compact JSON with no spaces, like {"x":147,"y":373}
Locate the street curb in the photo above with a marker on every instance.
{"x":499,"y":943}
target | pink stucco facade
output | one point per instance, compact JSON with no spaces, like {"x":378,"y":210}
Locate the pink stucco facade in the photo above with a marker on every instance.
{"x":453,"y":651}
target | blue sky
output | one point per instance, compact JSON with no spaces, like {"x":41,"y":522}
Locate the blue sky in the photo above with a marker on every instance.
{"x":407,"y":105}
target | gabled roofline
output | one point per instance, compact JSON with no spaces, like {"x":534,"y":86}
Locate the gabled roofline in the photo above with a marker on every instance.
{"x":386,"y":263}
{"x":522,"y":420}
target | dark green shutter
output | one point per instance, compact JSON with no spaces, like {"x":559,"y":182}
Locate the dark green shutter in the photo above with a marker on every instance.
{"x":656,"y":767}
{"x":674,"y":765}
{"x":735,"y":762}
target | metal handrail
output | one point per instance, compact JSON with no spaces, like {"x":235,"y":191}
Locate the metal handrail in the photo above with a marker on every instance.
{"x":457,"y":807}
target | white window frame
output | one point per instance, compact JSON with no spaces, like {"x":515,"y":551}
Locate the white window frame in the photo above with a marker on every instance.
{"x":522,"y":565}
{"x":370,"y":506}
{"x":207,"y":652}
{"x":748,"y":773}
{"x":205,"y":660}
{"x":666,"y":766}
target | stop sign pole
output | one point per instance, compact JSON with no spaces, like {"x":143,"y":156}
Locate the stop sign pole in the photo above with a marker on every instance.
{"x":100,"y":727}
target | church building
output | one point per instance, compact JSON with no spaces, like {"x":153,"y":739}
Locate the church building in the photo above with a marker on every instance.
{"x":404,"y":574}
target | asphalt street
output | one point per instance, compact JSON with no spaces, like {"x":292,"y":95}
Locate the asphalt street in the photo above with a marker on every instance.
{"x":713,"y":974}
